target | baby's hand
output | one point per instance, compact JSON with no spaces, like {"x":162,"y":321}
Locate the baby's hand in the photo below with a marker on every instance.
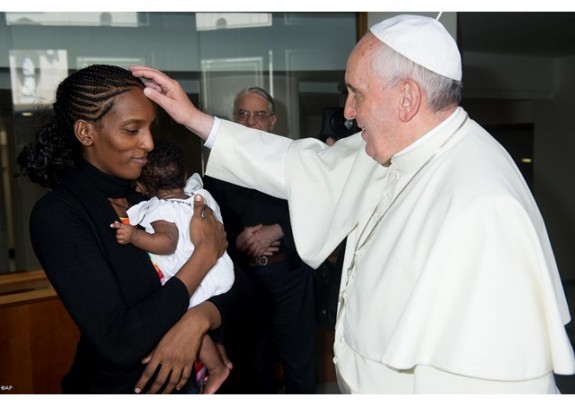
{"x":125,"y":233}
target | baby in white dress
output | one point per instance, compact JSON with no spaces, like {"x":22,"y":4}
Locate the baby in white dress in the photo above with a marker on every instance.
{"x":165,"y":219}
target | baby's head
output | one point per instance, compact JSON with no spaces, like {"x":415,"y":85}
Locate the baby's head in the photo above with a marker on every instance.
{"x":164,"y":171}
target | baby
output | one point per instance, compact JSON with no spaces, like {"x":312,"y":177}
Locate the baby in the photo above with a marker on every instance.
{"x":166,"y":218}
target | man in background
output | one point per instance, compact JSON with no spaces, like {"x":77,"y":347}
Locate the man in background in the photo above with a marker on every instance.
{"x":261,"y":243}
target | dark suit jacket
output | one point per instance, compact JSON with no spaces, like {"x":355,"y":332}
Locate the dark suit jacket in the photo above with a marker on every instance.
{"x":242,"y":207}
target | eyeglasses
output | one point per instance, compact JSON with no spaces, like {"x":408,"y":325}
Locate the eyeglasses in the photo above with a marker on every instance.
{"x":244,"y":115}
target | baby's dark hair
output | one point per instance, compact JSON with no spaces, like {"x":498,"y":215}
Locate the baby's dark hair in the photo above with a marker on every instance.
{"x":87,"y":94}
{"x":165,"y":169}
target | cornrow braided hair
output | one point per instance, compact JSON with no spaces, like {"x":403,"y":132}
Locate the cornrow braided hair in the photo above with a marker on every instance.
{"x":87,"y":94}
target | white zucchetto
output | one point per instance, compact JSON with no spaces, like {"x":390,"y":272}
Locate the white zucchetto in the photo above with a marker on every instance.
{"x":422,"y":40}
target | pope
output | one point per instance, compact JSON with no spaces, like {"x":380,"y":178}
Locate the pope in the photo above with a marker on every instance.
{"x":450,"y":284}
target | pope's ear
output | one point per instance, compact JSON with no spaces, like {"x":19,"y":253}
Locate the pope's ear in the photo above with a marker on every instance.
{"x":410,"y":100}
{"x":273,"y":119}
{"x":83,"y":132}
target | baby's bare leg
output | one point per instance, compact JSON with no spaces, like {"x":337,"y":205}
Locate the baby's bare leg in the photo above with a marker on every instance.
{"x":216,"y":362}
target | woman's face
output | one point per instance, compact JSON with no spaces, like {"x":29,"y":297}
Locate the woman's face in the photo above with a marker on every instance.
{"x":119,"y":143}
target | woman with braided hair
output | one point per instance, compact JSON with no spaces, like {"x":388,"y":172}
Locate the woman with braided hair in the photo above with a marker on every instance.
{"x":137,"y":335}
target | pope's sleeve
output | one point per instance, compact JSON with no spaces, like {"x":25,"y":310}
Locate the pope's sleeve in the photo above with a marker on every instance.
{"x":249,"y":158}
{"x":322,"y":184}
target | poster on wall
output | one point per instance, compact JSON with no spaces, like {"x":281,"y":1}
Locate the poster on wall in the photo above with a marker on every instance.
{"x":78,"y":18}
{"x":35,"y":75}
{"x":219,"y":21}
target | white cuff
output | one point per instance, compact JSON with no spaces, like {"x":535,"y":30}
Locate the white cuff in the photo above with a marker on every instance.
{"x":212,"y":135}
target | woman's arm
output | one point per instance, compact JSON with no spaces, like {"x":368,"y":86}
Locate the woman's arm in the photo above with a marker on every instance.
{"x":178,"y":349}
{"x":124,"y":313}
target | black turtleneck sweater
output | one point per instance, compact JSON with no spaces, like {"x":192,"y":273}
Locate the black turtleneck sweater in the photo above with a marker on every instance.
{"x":111,"y":291}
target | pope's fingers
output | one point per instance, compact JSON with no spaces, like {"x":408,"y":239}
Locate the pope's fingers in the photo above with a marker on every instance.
{"x":141,"y":67}
{"x":153,"y":85}
{"x":144,"y":71}
{"x":153,"y":78}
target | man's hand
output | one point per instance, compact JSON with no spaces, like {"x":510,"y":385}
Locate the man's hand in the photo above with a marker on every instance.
{"x":260,"y":240}
{"x":169,"y":94}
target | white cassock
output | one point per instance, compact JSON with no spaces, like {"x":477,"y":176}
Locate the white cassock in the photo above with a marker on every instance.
{"x":454,"y":286}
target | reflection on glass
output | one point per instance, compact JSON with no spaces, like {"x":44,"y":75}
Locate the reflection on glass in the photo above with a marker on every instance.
{"x":35,"y":74}
{"x":220,"y":21}
{"x":106,"y":19}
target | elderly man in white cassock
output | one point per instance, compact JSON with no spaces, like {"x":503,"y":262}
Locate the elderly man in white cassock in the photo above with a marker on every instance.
{"x":450,"y":283}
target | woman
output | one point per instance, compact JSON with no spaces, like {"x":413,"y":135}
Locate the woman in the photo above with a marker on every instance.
{"x":136,"y":335}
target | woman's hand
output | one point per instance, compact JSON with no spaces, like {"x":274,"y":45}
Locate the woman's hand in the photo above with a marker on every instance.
{"x":206,"y":232}
{"x":169,"y":94}
{"x":210,"y":243}
{"x":176,"y":352}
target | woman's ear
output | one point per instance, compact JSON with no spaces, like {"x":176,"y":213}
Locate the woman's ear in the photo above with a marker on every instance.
{"x":83,"y":132}
{"x":410,"y":100}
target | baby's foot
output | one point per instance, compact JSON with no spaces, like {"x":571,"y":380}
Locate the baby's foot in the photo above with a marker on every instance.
{"x":215,"y":378}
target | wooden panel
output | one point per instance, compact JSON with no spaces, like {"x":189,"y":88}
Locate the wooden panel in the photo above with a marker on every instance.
{"x":15,"y":350}
{"x":24,"y":287}
{"x":37,"y":336}
{"x":53,"y":338}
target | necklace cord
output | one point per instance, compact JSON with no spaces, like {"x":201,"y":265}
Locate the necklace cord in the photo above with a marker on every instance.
{"x":359,"y":244}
